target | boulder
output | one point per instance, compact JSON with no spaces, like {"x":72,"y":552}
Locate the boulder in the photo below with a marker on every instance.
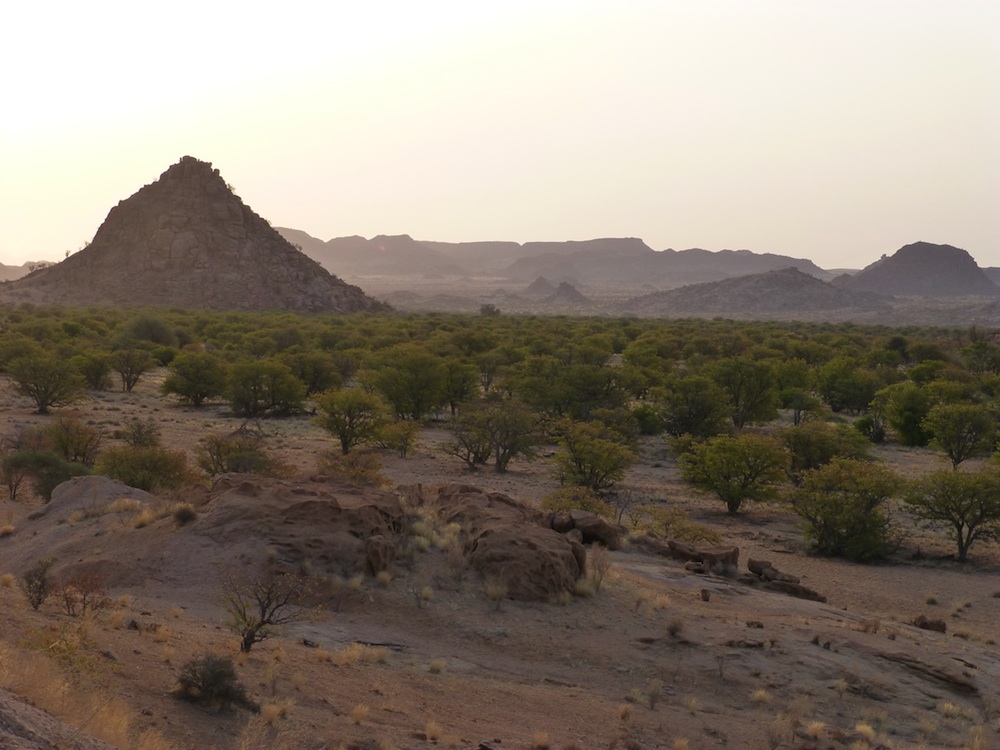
{"x":714,"y":558}
{"x":536,"y":563}
{"x":596,"y":529}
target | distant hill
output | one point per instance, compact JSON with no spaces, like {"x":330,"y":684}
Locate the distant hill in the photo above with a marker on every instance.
{"x":187,"y":241}
{"x":781,"y":293}
{"x":384,"y":255}
{"x":922,"y":269}
{"x":9,"y":273}
{"x":567,"y":294}
{"x":540,"y":287}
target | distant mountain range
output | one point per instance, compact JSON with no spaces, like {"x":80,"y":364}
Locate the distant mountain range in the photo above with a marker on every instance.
{"x":626,"y":260}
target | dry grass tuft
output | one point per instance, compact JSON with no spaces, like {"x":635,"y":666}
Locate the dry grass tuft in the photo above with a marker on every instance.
{"x":143,"y":519}
{"x":6,"y":530}
{"x":624,"y":713}
{"x":540,"y":741}
{"x":432,"y":731}
{"x":359,"y":713}
{"x":7,"y":581}
{"x":815,"y":728}
{"x":437,"y":666}
{"x":384,"y":578}
{"x":760,"y":696}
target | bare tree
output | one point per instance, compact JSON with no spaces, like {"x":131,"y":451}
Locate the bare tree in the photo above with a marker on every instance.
{"x":257,"y":608}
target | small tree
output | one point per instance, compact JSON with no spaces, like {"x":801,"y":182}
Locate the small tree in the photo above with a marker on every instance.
{"x":130,"y":364}
{"x":259,"y":388}
{"x":196,"y":377}
{"x":353,"y":416}
{"x":242,"y":452}
{"x":47,"y":380}
{"x":260,"y":607}
{"x":967,"y":504}
{"x":737,"y":469}
{"x":696,"y":406}
{"x":35,"y":583}
{"x":842,"y":505}
{"x":591,"y":458}
{"x":961,"y":430}
{"x":813,"y":444}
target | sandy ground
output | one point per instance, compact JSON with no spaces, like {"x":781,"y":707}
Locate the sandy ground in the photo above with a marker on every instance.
{"x":646,"y":662}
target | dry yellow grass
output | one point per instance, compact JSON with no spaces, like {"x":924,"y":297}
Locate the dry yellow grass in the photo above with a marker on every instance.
{"x":432,"y":731}
{"x":359,"y":713}
{"x":540,"y":741}
{"x":437,"y":666}
{"x":6,"y":530}
{"x":7,"y":580}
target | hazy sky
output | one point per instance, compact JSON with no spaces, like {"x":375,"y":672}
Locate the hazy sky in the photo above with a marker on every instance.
{"x":835,"y":130}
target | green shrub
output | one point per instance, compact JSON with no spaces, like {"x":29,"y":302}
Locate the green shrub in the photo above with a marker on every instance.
{"x":566,"y":499}
{"x":240,"y":453}
{"x":212,"y":680}
{"x":46,"y":468}
{"x":35,"y":583}
{"x":152,"y":469}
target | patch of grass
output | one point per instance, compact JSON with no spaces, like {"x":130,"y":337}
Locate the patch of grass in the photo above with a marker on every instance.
{"x":432,"y":731}
{"x":7,"y":581}
{"x":760,"y":696}
{"x":359,"y":713}
{"x":6,"y":530}
{"x":540,"y":741}
{"x":437,"y":666}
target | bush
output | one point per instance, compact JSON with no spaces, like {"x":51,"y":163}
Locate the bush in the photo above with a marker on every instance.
{"x":35,"y":583}
{"x":240,"y":453}
{"x":566,"y":499}
{"x":212,"y":680}
{"x":842,"y":505}
{"x":152,"y":469}
{"x":46,"y":468}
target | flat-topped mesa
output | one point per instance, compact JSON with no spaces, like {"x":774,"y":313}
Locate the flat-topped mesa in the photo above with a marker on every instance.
{"x":186,"y":240}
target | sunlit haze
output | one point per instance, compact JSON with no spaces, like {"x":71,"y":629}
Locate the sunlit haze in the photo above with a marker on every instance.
{"x":836,"y":131}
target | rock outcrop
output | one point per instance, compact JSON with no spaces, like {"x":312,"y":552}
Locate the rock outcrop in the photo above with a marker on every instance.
{"x":508,"y":541}
{"x":187,"y":241}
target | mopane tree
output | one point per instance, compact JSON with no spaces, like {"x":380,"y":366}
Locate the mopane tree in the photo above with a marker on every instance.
{"x":592,"y":457}
{"x":737,"y":469}
{"x":967,"y":505}
{"x":196,"y":377}
{"x":813,"y":444}
{"x":962,"y":431}
{"x":695,"y":405}
{"x":48,"y":380}
{"x":412,"y":381}
{"x":130,"y":364}
{"x":750,"y":385}
{"x":266,"y":387}
{"x":843,"y":508}
{"x":352,"y":415}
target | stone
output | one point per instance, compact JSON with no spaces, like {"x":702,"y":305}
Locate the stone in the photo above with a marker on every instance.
{"x":596,"y":529}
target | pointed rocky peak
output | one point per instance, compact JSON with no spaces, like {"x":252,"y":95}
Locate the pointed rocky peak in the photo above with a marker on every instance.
{"x":186,"y":240}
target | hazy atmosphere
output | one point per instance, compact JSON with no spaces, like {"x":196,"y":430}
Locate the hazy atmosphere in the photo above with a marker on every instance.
{"x":833,"y":131}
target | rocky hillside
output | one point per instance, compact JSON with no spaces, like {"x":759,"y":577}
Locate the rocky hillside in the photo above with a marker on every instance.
{"x":9,"y":273}
{"x":781,"y":293}
{"x":187,"y":241}
{"x":922,"y":269}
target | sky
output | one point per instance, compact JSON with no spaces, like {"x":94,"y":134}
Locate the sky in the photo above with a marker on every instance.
{"x":835,"y":130}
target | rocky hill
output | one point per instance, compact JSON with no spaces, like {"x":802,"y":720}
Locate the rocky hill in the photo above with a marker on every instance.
{"x":923,"y":269}
{"x":784,"y":293}
{"x":187,"y":241}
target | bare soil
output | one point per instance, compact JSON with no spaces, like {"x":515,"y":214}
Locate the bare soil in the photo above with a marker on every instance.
{"x":659,"y":657}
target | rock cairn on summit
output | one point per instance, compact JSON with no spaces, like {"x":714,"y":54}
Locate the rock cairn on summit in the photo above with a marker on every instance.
{"x":187,"y":241}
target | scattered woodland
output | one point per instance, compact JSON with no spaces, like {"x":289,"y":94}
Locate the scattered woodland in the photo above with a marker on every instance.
{"x":757,"y":420}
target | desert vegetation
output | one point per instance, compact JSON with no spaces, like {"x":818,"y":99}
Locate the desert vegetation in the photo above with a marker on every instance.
{"x":860,"y":443}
